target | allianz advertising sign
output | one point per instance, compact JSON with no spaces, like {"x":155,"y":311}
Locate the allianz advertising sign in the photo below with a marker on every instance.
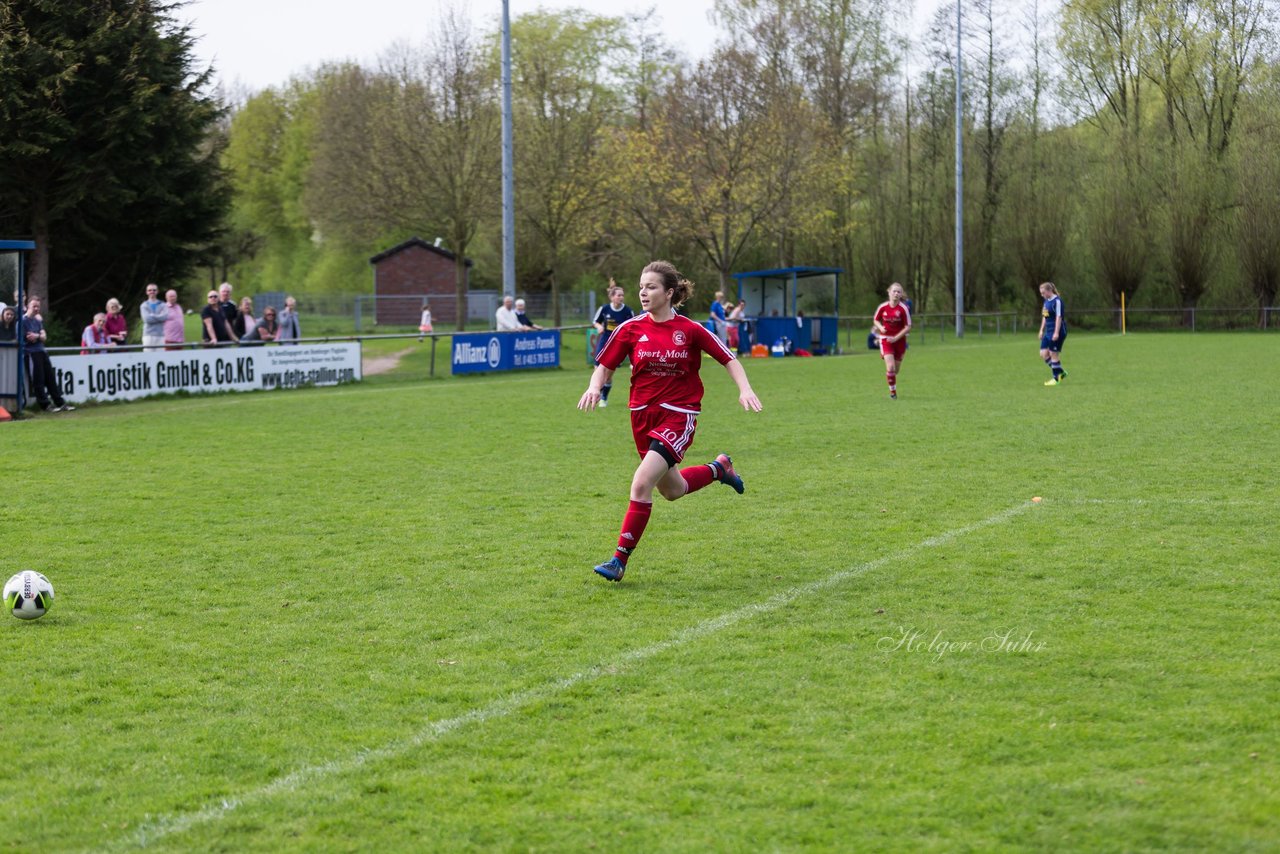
{"x":476,"y":353}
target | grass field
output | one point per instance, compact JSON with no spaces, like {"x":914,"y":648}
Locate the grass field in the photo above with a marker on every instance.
{"x":364,"y":618}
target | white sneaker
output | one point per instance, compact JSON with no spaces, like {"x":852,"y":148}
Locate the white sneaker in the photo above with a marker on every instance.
{"x":66,"y":407}
{"x":603,"y":403}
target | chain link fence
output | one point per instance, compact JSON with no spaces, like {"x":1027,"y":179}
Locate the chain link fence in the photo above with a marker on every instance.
{"x":353,"y":314}
{"x":854,"y":328}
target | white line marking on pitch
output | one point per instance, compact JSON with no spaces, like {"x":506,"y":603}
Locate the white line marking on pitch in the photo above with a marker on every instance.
{"x":158,"y":828}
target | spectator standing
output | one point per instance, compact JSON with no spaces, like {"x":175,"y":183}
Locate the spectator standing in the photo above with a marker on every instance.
{"x":117,"y":327}
{"x":424,"y":325}
{"x":245,"y":321}
{"x":94,"y":339}
{"x":290,"y":329}
{"x":174,"y":328}
{"x":8,"y":324}
{"x":216,"y":329}
{"x":266,"y":329}
{"x":737,"y":317}
{"x":523,"y":318}
{"x":505,"y":317}
{"x":230,"y":311}
{"x":154,"y":314}
{"x":719,"y":324}
{"x":43,"y":380}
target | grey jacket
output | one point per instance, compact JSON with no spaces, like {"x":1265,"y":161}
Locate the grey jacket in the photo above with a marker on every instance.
{"x":154,"y":314}
{"x":290,"y":329}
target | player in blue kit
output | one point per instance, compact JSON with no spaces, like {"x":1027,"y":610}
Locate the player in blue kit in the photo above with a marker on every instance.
{"x":1053,"y":332}
{"x":608,"y":318}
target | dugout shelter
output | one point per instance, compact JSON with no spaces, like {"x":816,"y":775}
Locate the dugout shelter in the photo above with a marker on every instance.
{"x":798,"y":303}
{"x":13,"y":274}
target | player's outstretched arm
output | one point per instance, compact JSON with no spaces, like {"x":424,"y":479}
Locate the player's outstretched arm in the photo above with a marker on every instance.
{"x":591,"y":396}
{"x":746,"y":396}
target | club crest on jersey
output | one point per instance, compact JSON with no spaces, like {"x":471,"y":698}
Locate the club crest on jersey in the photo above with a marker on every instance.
{"x":678,"y":338}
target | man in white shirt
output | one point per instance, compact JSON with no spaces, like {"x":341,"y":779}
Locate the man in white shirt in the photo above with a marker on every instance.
{"x":506,"y":316}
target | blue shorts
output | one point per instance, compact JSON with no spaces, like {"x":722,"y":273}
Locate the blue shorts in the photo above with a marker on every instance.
{"x":1047,"y":342}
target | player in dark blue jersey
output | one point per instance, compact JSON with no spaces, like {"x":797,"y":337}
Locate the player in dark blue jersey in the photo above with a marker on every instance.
{"x":1053,"y":332}
{"x":608,"y":318}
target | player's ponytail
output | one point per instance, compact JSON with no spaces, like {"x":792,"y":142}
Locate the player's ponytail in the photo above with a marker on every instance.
{"x":680,"y":287}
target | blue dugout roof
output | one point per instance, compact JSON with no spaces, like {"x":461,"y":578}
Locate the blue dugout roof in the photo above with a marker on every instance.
{"x":12,"y":245}
{"x":789,"y":272}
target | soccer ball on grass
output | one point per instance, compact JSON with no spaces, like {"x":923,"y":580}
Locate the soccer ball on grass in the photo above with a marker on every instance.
{"x":28,"y":595}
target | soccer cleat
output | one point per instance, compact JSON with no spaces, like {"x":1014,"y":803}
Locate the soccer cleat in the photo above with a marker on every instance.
{"x":612,"y":569}
{"x":728,"y":476}
{"x":893,"y":394}
{"x":603,"y":403}
{"x":1051,"y":382}
{"x":1062,"y":376}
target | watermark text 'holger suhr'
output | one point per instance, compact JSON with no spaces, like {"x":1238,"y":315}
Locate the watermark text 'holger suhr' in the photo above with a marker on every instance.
{"x":937,"y":645}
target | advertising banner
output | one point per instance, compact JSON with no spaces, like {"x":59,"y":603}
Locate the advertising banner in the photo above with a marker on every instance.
{"x":132,"y":375}
{"x":476,"y":353}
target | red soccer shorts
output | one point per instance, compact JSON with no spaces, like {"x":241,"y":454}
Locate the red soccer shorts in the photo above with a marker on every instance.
{"x":897,"y":349}
{"x":673,"y":429}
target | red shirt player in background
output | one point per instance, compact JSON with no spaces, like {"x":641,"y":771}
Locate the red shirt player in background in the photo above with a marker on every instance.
{"x":666,"y":350}
{"x":892,"y":322}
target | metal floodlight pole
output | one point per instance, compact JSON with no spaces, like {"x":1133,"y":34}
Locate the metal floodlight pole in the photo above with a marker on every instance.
{"x":508,"y":163}
{"x":959,"y":182}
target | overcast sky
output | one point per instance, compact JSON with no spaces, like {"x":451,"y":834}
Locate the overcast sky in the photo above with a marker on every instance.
{"x":260,"y":43}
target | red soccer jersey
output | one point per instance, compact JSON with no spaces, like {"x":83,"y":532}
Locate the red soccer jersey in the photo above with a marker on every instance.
{"x":893,"y":318}
{"x":665,"y":359}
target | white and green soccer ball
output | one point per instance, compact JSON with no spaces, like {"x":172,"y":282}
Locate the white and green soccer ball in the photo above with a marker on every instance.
{"x":28,"y":595}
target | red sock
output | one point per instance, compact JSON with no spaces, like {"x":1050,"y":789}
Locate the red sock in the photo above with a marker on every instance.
{"x":893,"y":380}
{"x":698,"y":477}
{"x":632,"y":527}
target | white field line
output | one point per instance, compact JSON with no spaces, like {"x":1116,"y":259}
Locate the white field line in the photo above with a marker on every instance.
{"x":154,"y":829}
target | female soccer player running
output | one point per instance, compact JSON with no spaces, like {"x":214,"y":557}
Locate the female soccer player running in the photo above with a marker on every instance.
{"x":892,"y":322}
{"x":1053,"y":332}
{"x":666,"y":396}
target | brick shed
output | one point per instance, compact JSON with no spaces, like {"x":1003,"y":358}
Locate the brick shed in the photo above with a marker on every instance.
{"x":403,"y":275}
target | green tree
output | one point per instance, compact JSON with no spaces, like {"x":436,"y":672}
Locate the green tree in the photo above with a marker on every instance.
{"x":1257,"y":225}
{"x":106,"y":135}
{"x":564,"y":74}
{"x":267,"y":158}
{"x":445,"y":132}
{"x":1105,"y":45}
{"x":1038,"y":215}
{"x":741,"y":140}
